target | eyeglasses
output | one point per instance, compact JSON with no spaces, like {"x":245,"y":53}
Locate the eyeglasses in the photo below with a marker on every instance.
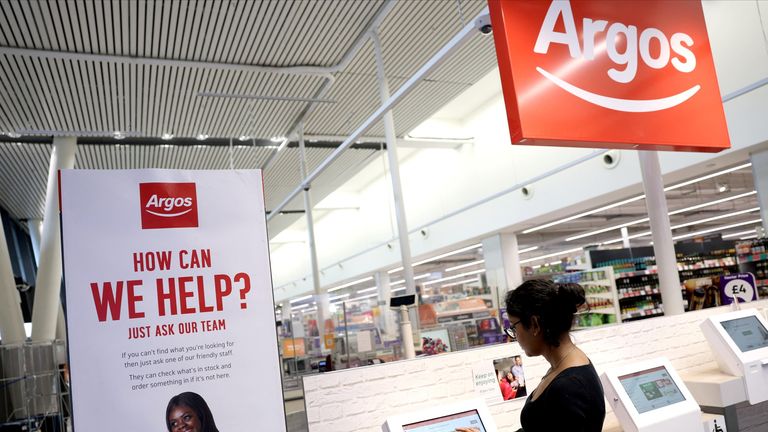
{"x":510,"y":331}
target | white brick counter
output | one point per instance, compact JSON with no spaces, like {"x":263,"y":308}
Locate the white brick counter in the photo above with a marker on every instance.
{"x":361,"y":399}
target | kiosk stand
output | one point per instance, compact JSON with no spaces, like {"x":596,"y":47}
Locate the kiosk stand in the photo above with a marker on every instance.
{"x":739,"y":342}
{"x":649,"y":396}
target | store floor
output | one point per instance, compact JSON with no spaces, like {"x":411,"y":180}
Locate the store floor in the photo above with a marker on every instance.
{"x":295,"y":417}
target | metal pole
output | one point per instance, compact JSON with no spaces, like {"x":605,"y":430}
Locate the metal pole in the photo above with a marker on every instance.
{"x":394,"y":170}
{"x":663,"y":246}
{"x":11,"y":319}
{"x":48,"y":284}
{"x":308,"y":212}
{"x":433,"y":63}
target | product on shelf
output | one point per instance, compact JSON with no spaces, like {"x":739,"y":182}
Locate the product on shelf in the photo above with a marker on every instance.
{"x":600,"y":289}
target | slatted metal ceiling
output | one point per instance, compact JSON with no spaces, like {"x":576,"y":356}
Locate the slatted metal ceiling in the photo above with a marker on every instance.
{"x":126,"y":85}
{"x":104,"y":95}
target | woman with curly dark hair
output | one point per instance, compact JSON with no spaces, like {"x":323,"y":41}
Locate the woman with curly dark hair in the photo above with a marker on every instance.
{"x":189,"y":412}
{"x":569,"y":396}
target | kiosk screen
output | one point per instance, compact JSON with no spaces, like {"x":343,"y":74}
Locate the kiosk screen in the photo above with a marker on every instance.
{"x":748,"y":333}
{"x":651,"y":389}
{"x":467,"y":419}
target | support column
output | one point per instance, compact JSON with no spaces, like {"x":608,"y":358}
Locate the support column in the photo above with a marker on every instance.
{"x":323,"y":305}
{"x":625,"y":238}
{"x":35,"y":227}
{"x":760,"y":174}
{"x":394,"y":170}
{"x":502,"y":265}
{"x":48,"y":284}
{"x":387,"y":322}
{"x":661,"y":232}
{"x":11,"y":318}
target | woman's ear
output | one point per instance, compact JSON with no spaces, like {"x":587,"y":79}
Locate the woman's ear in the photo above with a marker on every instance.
{"x":535,"y":327}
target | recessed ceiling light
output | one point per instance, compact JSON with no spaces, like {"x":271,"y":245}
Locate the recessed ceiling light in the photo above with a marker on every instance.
{"x":167,"y":136}
{"x":202,"y":137}
{"x":118,"y":135}
{"x":244,"y":137}
{"x":165,"y":146}
{"x":13,"y":135}
{"x":277,"y":138}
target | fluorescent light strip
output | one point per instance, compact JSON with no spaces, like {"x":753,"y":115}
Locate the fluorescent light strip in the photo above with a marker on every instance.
{"x":587,"y":213}
{"x":638,"y":221}
{"x":713,"y":218}
{"x":720,"y":201}
{"x":610,"y":206}
{"x":447,"y":254}
{"x":458,"y":276}
{"x":530,"y":249}
{"x":398,"y":282}
{"x":338,"y":297}
{"x":458,"y":267}
{"x":708,"y":176}
{"x":647,"y":233}
{"x":753,"y":236}
{"x":399,"y":289}
{"x":374,"y":288}
{"x":300,"y":306}
{"x":300,"y":299}
{"x":421,"y":276}
{"x":365,"y":297}
{"x":615,"y":227}
{"x":555,"y":263}
{"x":739,"y":234}
{"x":349,"y":284}
{"x":312,"y":309}
{"x":550,"y":255}
{"x":460,"y":282}
{"x":721,"y":228}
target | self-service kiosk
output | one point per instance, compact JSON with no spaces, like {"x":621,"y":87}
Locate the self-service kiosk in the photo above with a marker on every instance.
{"x":649,"y":396}
{"x":471,"y":414}
{"x":739,"y":342}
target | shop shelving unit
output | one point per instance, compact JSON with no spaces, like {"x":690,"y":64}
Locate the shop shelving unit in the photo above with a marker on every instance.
{"x":602,"y":296}
{"x":753,"y":258}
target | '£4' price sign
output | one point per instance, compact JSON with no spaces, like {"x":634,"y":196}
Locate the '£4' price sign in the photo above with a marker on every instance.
{"x":740,"y":287}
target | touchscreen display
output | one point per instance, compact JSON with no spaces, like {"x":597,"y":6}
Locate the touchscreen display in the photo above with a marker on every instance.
{"x":747,"y":333}
{"x":467,"y":419}
{"x":651,"y":389}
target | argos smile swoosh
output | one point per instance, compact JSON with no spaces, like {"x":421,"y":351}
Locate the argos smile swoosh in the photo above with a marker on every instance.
{"x":168,"y":214}
{"x":626,"y":105}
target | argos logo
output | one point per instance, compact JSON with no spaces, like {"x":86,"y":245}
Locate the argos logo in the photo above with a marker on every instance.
{"x":633,"y":74}
{"x":635,"y":49}
{"x":168,"y":205}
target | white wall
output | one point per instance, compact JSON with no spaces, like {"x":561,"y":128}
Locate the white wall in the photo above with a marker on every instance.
{"x":361,"y":399}
{"x":438,"y":181}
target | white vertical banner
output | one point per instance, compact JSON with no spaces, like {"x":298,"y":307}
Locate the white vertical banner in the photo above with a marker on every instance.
{"x":169,"y":296}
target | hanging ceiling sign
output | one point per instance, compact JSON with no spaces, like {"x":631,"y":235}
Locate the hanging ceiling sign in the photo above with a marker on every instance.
{"x":632,"y":74}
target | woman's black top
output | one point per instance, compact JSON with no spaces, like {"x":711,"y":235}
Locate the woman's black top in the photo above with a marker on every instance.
{"x":573,"y":401}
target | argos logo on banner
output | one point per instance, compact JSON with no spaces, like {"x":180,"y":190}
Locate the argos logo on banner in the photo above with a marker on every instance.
{"x":632,"y":74}
{"x":168,"y":205}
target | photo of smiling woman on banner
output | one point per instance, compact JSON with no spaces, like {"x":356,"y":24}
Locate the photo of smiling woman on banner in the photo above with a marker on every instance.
{"x":188,"y":411}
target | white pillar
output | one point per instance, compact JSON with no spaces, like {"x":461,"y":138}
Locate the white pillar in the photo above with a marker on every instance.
{"x":387,"y":322}
{"x":760,"y":173}
{"x":625,"y":237}
{"x":394,"y":170}
{"x":48,"y":284}
{"x":11,"y":319}
{"x":35,"y":227}
{"x":663,"y":246}
{"x":502,"y":264}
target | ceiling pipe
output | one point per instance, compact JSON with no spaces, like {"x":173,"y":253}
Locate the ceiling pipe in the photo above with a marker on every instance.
{"x":433,"y":63}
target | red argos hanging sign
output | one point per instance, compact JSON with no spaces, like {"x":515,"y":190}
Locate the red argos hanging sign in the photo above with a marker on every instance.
{"x":630,"y":74}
